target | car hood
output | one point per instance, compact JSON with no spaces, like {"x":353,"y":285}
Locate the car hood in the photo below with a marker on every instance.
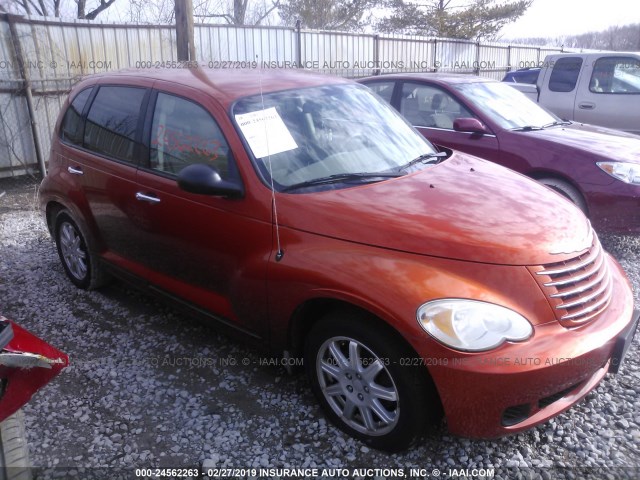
{"x":604,"y":142}
{"x":464,"y":208}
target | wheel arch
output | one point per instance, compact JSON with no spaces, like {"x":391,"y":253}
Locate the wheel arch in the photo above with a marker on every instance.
{"x":311,"y":311}
{"x":51,"y":211}
{"x":542,"y":174}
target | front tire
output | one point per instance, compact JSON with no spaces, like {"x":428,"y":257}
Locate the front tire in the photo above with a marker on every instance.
{"x":567,"y":191}
{"x":354,"y":367}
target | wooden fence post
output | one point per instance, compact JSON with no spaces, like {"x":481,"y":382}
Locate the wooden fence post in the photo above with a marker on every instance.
{"x":184,"y":30}
{"x":24,"y":74}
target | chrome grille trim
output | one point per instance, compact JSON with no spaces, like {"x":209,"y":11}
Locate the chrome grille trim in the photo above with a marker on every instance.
{"x":599,"y":271}
{"x":578,"y":289}
{"x":582,"y":276}
{"x":593,"y":253}
{"x":604,"y":300}
{"x":583,"y":300}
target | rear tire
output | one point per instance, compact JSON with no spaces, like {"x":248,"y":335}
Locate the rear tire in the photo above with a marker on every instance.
{"x":78,"y":258}
{"x":366,"y":380}
{"x":14,"y":449}
{"x":567,"y":191}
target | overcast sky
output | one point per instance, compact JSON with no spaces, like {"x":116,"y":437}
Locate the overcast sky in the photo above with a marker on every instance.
{"x":552,"y":18}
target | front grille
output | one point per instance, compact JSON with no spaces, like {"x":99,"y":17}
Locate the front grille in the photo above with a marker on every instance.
{"x":577,"y":289}
{"x":516,"y":414}
{"x":546,"y":401}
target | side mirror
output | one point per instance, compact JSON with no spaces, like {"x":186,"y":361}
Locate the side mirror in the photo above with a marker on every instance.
{"x":205,"y":180}
{"x":470,"y":125}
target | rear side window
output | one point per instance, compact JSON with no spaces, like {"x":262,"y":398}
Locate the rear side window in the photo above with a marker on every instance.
{"x":564,"y":75}
{"x":184,"y":133}
{"x":112,"y":121}
{"x":71,"y":130}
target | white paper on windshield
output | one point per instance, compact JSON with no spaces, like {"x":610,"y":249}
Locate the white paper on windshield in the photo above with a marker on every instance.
{"x":265,"y":132}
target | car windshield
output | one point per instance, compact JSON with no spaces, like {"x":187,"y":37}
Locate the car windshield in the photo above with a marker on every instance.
{"x":505,"y":105}
{"x":328,"y":135}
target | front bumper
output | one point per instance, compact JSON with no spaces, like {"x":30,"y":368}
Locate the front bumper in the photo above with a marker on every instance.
{"x":614,"y":207}
{"x":520,"y":385}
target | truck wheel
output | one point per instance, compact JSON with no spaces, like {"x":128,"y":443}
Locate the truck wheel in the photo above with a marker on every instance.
{"x":14,"y":450}
{"x":567,"y":191}
{"x":355,"y":372}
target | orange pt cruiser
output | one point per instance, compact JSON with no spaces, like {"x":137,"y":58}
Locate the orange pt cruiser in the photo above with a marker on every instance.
{"x":305,"y":214}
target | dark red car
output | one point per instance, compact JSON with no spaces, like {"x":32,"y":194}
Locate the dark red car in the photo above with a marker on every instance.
{"x":598,"y":169}
{"x":304,"y":214}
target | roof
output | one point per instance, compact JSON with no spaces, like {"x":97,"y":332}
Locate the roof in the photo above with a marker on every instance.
{"x":446,"y":78}
{"x":226,"y":85}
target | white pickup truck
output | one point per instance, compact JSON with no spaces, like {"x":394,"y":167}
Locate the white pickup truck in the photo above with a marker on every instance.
{"x":596,"y":88}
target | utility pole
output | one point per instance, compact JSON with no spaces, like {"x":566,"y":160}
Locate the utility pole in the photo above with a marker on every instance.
{"x":184,"y":30}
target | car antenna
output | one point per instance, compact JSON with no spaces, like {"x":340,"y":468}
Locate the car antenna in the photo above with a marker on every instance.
{"x":280,"y":251}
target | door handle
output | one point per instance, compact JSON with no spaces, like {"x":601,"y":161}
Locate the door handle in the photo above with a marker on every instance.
{"x":147,"y":198}
{"x":75,"y":171}
{"x":587,"y":106}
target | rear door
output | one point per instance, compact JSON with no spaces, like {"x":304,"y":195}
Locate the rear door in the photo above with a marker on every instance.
{"x":609,"y":93}
{"x":101,"y":157}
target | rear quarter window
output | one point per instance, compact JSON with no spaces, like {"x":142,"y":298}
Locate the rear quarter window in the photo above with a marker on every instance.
{"x":112,"y":121}
{"x":617,"y":75}
{"x":72,"y":123}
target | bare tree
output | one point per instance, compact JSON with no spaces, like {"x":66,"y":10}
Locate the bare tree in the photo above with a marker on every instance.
{"x":102,"y":6}
{"x":232,"y":12}
{"x":54,"y":8}
{"x":618,"y":38}
{"x":244,"y":12}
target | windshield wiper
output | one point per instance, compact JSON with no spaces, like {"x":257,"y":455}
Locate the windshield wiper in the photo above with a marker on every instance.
{"x":556,"y":124}
{"x":530,"y":128}
{"x":527,"y":128}
{"x":425,"y":158}
{"x":343,"y":177}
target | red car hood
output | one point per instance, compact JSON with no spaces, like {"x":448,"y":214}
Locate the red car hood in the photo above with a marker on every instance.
{"x":464,"y":208}
{"x":604,"y":142}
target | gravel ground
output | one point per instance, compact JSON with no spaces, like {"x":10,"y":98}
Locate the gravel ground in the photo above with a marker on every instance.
{"x":148,"y":387}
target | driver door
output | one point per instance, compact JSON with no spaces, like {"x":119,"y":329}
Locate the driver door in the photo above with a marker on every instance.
{"x":208,"y":251}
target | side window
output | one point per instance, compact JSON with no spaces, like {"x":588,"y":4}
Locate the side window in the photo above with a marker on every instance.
{"x":615,"y":75}
{"x":564,"y":75}
{"x":428,"y":106}
{"x":183,"y":133}
{"x":384,"y":89}
{"x":112,"y":121}
{"x":72,"y":125}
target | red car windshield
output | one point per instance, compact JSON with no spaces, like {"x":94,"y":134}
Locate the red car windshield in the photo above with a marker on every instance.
{"x":298,"y":136}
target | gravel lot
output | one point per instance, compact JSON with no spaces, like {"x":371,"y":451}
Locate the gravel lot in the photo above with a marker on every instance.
{"x":148,"y":387}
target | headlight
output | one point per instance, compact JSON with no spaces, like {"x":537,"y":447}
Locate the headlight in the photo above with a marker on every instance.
{"x":627,"y":172}
{"x":472,"y":325}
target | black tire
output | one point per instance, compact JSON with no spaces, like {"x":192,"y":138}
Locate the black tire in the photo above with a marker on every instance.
{"x":347,"y":394}
{"x":78,"y":258}
{"x":567,"y":191}
{"x":14,"y":449}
